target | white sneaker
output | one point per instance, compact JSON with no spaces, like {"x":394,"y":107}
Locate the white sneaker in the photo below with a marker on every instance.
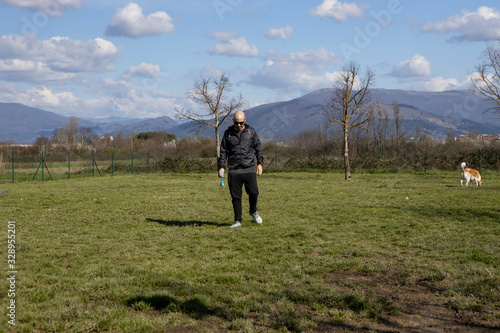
{"x":236,"y":224}
{"x":256,"y":217}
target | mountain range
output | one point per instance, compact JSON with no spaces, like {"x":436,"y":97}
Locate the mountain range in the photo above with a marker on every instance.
{"x":434,"y":113}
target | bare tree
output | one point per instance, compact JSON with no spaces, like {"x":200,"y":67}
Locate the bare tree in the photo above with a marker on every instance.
{"x":309,"y":142}
{"x":487,"y":81}
{"x":59,"y":135}
{"x":67,"y":135}
{"x":87,"y":135}
{"x":398,"y":123}
{"x":379,"y":124}
{"x":450,"y":136}
{"x":42,"y":144}
{"x":216,"y":106}
{"x":346,"y":105}
{"x":72,"y":130}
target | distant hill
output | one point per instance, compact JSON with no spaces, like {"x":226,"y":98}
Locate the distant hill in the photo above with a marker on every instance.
{"x":23,"y":124}
{"x":110,"y":127}
{"x":431,"y":112}
{"x":151,"y":125}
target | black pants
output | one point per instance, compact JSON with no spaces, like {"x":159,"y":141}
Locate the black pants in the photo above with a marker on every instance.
{"x":236,"y":181}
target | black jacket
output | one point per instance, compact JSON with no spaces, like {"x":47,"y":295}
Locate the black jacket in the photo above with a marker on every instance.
{"x":239,"y":148}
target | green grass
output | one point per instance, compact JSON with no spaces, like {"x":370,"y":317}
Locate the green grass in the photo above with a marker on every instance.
{"x":151,"y":253}
{"x":76,"y":169}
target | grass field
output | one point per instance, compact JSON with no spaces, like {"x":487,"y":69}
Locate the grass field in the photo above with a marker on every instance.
{"x":153,"y":253}
{"x":77,"y":169}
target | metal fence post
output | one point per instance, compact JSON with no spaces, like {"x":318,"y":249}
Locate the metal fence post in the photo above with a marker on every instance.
{"x":132,"y":159}
{"x":42,"y":166}
{"x":12,"y":166}
{"x":112,"y":166}
{"x":69,"y":166}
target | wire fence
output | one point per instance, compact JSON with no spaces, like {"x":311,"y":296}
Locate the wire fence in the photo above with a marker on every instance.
{"x":17,"y":166}
{"x":22,"y":167}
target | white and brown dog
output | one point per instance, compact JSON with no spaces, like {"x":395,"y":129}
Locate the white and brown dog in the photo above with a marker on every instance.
{"x":469,"y":174}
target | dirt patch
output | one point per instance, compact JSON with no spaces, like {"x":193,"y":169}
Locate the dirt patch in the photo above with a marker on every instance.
{"x":419,"y":307}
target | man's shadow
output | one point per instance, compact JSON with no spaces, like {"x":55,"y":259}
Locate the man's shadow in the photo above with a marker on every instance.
{"x":190,"y":223}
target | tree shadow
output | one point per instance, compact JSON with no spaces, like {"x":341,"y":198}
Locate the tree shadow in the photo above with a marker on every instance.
{"x":194,"y":307}
{"x":189,"y":223}
{"x":465,"y":213}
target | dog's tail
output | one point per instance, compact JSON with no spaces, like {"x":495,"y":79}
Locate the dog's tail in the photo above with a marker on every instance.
{"x":462,"y":166}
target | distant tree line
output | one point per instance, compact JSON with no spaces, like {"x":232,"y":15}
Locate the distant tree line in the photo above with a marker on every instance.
{"x":74,"y":137}
{"x":322,"y":147}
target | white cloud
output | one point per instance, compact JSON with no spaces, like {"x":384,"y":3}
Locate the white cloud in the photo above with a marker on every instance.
{"x":41,"y":97}
{"x":122,"y":96}
{"x":51,"y":8}
{"x":210,"y":70}
{"x":235,"y":48}
{"x":441,"y":84}
{"x":297,"y":71}
{"x":144,"y":71}
{"x":59,"y":58}
{"x":281,"y":33}
{"x":225,"y":35}
{"x":18,"y":65}
{"x":8,"y":88}
{"x":119,"y":98}
{"x":131,"y":22}
{"x":418,"y":65}
{"x":30,"y":71}
{"x":478,"y":81}
{"x":337,"y":10}
{"x":115,"y":87}
{"x":480,"y":25}
{"x":127,"y":98}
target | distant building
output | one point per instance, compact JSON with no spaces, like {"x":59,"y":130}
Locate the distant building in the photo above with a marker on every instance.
{"x":478,"y":137}
{"x":106,"y":139}
{"x":491,"y":137}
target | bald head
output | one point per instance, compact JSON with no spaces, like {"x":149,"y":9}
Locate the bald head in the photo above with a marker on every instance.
{"x":239,"y":116}
{"x":239,"y":120}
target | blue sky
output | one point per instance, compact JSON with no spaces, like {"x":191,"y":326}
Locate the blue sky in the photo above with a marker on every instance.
{"x":95,"y":59}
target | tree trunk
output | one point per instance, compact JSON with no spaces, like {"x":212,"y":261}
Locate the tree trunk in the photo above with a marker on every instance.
{"x":217,"y":140}
{"x":347,"y":167}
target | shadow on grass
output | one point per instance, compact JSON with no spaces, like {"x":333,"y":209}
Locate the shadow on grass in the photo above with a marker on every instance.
{"x":458,"y":214}
{"x":466,"y":213}
{"x":194,"y":307}
{"x":191,"y":223}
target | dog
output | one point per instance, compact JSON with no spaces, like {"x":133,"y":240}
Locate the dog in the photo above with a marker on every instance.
{"x":468,"y":175}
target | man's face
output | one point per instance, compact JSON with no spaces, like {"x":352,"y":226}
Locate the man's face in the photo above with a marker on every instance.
{"x":239,"y":122}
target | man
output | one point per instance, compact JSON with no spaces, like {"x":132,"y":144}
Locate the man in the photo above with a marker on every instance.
{"x":238,"y":146}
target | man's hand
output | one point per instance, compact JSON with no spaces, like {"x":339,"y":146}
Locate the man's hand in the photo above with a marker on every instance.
{"x":259,"y":169}
{"x":221,"y":172}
